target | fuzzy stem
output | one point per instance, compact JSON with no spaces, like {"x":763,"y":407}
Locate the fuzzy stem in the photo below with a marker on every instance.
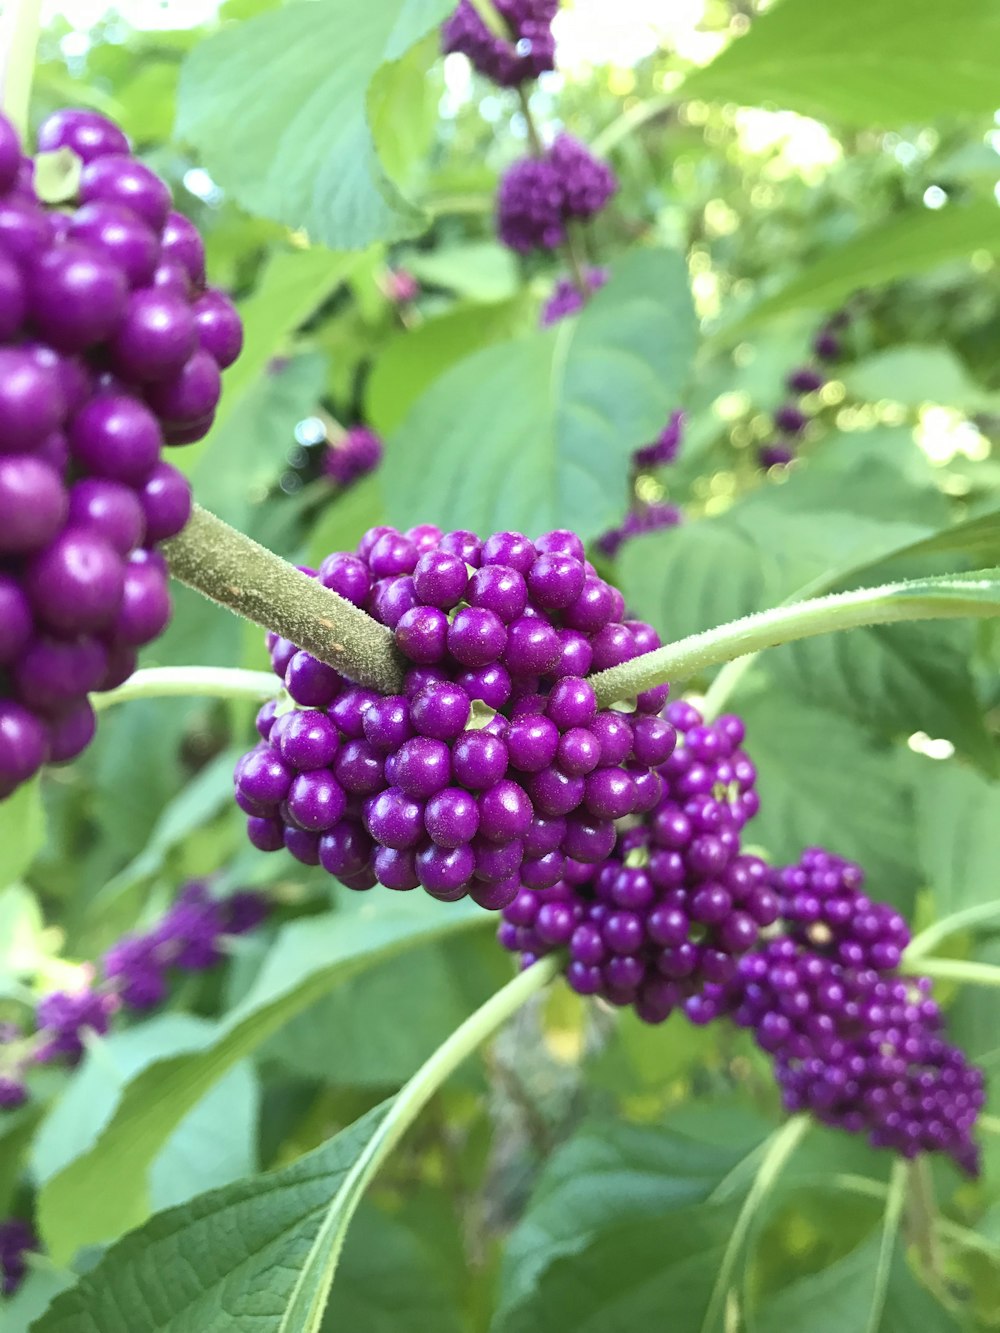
{"x":924,"y":599}
{"x":19,"y":28}
{"x":188,"y":682}
{"x":229,"y":568}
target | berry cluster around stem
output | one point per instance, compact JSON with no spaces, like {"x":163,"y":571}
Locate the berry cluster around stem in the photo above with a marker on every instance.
{"x":190,"y":937}
{"x":111,"y":346}
{"x":352,"y":457}
{"x":792,"y":417}
{"x":679,"y":917}
{"x":527,"y":51}
{"x":494,"y":768}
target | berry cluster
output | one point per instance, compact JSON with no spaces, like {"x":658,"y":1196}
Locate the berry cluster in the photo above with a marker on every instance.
{"x":675,"y":906}
{"x":17,"y":1239}
{"x":190,"y":938}
{"x":529,"y":51}
{"x":653,"y":517}
{"x":567,"y":299}
{"x":853,"y":1042}
{"x":792,"y":417}
{"x":110,"y":346}
{"x":495,"y":768}
{"x":353,"y":456}
{"x":538,"y":196}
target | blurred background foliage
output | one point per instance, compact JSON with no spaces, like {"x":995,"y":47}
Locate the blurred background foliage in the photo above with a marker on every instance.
{"x":588,"y":1173}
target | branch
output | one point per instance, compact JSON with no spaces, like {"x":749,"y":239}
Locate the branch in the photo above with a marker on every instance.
{"x":231,"y":569}
{"x":975,"y":594}
{"x":190,"y":682}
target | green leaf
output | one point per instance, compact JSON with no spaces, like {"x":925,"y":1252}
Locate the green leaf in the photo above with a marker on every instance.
{"x":907,"y":244}
{"x":293,"y":285}
{"x":831,"y":62}
{"x":296,"y":146}
{"x":538,"y":433}
{"x":846,"y":1296}
{"x":916,"y":375}
{"x":346,"y":518}
{"x":212,"y":1145}
{"x":636,"y":1274}
{"x":958,"y":834}
{"x":22,"y":831}
{"x":310,"y":958}
{"x":205,"y":796}
{"x":613,"y":1180}
{"x":412,"y":360}
{"x":477,"y":270}
{"x":410,"y":1004}
{"x":225,"y":1263}
{"x":249,"y":451}
{"x":822,"y":782}
{"x":389,"y":1281}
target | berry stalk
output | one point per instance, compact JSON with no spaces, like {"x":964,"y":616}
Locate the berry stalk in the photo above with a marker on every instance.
{"x":229,"y":568}
{"x":19,"y":29}
{"x":186,"y":682}
{"x":571,"y":247}
{"x":920,"y":599}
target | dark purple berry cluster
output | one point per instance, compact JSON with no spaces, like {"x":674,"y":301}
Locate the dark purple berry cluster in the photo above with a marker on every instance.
{"x":190,"y":937}
{"x":861,"y":1050}
{"x":653,"y":517}
{"x":352,"y":457}
{"x":17,"y":1239}
{"x":538,"y":196}
{"x":567,"y":299}
{"x":677,"y":903}
{"x":495,"y":768}
{"x":110,"y":347}
{"x":854,"y":1043}
{"x":528,"y":51}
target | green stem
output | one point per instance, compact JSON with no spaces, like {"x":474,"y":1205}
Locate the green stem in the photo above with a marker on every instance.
{"x":949,"y":925}
{"x":778,"y":1150}
{"x":629,"y":121}
{"x":19,"y":29}
{"x":895,"y":1199}
{"x":959,"y":969}
{"x":229,"y":568}
{"x":177,"y":682}
{"x":308,"y":1301}
{"x":492,"y":18}
{"x":921,"y":599}
{"x":572,"y":250}
{"x":922,"y":1216}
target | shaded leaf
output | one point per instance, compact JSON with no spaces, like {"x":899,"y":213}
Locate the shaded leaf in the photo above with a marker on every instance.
{"x":539,"y":432}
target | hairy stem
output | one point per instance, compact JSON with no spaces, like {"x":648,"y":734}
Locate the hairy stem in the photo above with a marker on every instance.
{"x":19,"y":29}
{"x":193,"y":681}
{"x":231,"y":569}
{"x":923,"y":599}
